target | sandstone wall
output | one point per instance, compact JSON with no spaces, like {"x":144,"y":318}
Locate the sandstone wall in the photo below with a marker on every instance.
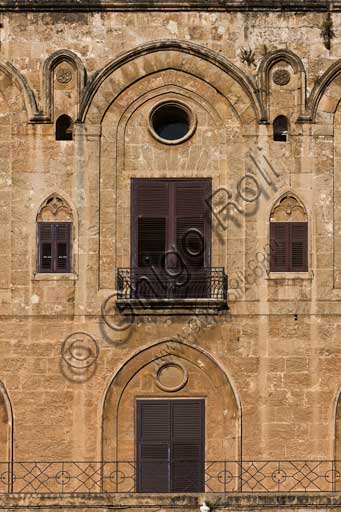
{"x":278,"y":346}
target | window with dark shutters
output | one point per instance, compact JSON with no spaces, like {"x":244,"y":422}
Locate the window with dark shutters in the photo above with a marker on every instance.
{"x":289,"y":246}
{"x":170,"y":445}
{"x":171,"y":237}
{"x":54,"y":247}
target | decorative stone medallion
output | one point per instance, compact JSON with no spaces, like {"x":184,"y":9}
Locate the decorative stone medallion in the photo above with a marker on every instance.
{"x":171,"y":376}
{"x":281,"y":77}
{"x":64,"y":76}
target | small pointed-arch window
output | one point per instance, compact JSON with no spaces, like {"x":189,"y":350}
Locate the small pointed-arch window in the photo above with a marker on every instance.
{"x":288,"y":236}
{"x":64,"y":128}
{"x":54,"y":237}
{"x":281,"y":128}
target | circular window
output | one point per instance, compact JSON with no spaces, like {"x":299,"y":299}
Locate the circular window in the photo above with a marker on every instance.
{"x":172,"y":123}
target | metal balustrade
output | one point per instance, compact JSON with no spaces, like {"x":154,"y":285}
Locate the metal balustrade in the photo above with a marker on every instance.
{"x":220,"y":477}
{"x":156,"y":283}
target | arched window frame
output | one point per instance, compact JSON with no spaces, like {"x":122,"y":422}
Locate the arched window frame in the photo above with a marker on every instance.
{"x":289,"y":240}
{"x":54,"y":237}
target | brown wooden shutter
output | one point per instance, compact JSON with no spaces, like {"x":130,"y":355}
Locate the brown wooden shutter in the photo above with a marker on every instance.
{"x":153,"y":437}
{"x":170,"y":445}
{"x":279,"y":246}
{"x":289,"y":246}
{"x":150,"y":209}
{"x":299,"y":246}
{"x":54,"y":247}
{"x":45,"y":246}
{"x":62,"y":260}
{"x":192,"y":237}
{"x":171,"y":238}
{"x":188,"y":420}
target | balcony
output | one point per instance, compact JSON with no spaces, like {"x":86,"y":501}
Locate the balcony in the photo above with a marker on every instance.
{"x":154,"y":288}
{"x":221,"y":477}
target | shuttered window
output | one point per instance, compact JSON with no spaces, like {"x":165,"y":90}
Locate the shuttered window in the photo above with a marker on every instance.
{"x":170,"y":445}
{"x":171,"y":236}
{"x":289,"y":246}
{"x":54,"y":247}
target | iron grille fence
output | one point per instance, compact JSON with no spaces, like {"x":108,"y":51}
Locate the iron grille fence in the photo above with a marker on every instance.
{"x":220,"y":477}
{"x":157,"y":283}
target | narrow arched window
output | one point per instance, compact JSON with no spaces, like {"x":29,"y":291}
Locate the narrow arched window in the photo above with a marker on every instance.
{"x":64,"y":128}
{"x":288,"y":236}
{"x":281,"y":128}
{"x":54,"y":236}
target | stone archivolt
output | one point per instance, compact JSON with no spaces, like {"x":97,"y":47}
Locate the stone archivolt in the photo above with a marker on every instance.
{"x":88,"y":90}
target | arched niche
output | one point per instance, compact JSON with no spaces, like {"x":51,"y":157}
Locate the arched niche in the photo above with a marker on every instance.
{"x":282,"y":79}
{"x":64,"y":78}
{"x":6,"y":426}
{"x":138,"y":378}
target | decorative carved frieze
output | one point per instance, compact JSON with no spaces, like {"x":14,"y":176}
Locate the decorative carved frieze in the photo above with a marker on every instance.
{"x":288,"y":209}
{"x":54,"y":209}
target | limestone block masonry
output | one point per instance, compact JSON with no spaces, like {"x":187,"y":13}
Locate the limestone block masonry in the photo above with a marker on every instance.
{"x":72,"y":365}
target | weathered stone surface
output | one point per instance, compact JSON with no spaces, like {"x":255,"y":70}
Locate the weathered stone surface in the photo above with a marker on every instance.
{"x":269,"y":368}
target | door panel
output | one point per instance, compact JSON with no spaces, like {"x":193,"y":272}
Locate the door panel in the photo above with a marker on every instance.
{"x":170,"y":445}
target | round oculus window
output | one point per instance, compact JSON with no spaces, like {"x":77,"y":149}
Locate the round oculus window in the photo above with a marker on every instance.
{"x":172,"y":123}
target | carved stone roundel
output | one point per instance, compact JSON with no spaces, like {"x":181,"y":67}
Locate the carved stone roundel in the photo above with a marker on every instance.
{"x":171,"y":376}
{"x":64,"y":75}
{"x":281,"y":77}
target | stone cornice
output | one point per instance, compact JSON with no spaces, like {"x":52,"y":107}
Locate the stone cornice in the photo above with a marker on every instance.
{"x":171,"y":5}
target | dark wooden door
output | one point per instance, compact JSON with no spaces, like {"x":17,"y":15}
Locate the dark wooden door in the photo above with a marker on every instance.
{"x":170,"y":445}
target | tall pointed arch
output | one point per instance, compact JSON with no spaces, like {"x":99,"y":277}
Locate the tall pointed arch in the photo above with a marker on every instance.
{"x":138,"y":377}
{"x":149,"y":58}
{"x":22,"y":84}
{"x":264,"y":72}
{"x":329,"y":80}
{"x":6,"y":426}
{"x":337,"y":446}
{"x":48,"y":74}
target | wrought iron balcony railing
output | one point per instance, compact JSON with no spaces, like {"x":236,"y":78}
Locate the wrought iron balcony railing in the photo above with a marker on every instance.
{"x":160,"y":284}
{"x":219,"y":477}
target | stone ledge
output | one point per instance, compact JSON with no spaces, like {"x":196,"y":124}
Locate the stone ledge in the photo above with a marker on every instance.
{"x":173,"y":501}
{"x":72,"y":276}
{"x":171,"y":5}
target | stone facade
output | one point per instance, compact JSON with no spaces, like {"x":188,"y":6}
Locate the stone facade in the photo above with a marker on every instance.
{"x":269,"y":367}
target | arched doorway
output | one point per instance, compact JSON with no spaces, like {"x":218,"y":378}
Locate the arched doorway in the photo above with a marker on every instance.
{"x":167,"y":373}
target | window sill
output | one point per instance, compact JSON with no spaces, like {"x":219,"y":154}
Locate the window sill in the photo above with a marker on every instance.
{"x":291,"y":275}
{"x":55,"y":277}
